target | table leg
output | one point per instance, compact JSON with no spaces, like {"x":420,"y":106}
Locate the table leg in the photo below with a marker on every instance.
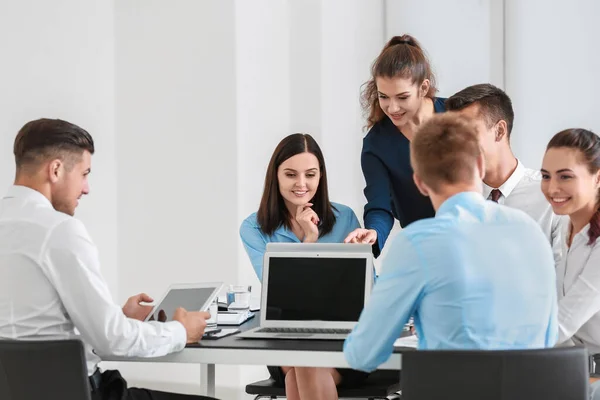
{"x":207,"y":379}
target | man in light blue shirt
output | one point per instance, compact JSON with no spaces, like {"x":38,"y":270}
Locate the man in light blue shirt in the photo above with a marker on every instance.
{"x":477,"y":276}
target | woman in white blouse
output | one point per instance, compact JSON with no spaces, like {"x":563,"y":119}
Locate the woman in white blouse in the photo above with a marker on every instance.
{"x":571,"y":183}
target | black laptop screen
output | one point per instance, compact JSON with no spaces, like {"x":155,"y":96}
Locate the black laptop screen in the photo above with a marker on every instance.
{"x":316,"y":288}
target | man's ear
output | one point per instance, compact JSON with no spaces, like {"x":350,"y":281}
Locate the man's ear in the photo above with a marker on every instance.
{"x":501,"y":130}
{"x":421,"y":185}
{"x":55,"y":170}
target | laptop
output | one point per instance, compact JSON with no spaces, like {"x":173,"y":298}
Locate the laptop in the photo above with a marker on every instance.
{"x":313,"y":291}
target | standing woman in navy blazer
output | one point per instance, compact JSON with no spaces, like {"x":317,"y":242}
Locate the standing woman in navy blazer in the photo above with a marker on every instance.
{"x":399,"y":97}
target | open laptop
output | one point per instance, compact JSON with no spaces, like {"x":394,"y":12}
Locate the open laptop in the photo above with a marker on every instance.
{"x":313,"y":291}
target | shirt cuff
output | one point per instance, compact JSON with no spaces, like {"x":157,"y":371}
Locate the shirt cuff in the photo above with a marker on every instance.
{"x":179,"y":335}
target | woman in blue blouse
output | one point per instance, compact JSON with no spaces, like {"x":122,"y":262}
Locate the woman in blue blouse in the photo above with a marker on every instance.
{"x":295,"y":208}
{"x":399,"y":97}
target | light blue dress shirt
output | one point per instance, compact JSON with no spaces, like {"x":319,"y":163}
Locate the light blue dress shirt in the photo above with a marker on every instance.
{"x":477,"y":276}
{"x":255,"y":240}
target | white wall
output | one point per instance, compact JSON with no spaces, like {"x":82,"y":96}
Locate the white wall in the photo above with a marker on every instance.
{"x":552,"y":71}
{"x":352,"y":37}
{"x":263,"y":107}
{"x":58,"y":62}
{"x":460,"y":37}
{"x":176,"y":128}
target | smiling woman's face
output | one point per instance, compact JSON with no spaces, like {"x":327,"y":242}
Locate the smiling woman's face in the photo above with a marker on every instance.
{"x":567,"y":182}
{"x":298,"y":178}
{"x":399,"y":98}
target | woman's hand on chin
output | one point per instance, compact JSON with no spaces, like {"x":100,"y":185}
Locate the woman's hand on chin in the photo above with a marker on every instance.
{"x":308,"y":220}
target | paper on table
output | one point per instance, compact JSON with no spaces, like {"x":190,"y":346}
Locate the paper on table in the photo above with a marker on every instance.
{"x":254,"y":302}
{"x":408,"y":341}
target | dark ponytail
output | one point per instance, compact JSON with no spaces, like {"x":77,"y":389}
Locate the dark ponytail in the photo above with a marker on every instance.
{"x":404,"y":39}
{"x":594,"y":231}
{"x":402,"y":57}
{"x":588,"y":144}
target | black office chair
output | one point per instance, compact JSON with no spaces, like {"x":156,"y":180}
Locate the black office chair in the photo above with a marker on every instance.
{"x":549,"y":374}
{"x":378,"y":386}
{"x":49,"y":370}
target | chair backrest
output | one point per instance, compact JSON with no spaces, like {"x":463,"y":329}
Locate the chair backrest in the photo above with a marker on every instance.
{"x":549,"y":374}
{"x":52,"y":369}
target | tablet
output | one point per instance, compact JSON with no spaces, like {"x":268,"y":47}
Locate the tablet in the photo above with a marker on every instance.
{"x":191,"y":296}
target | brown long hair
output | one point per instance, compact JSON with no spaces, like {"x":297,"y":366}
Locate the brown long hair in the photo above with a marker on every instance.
{"x":272,"y":212}
{"x":402,"y":57}
{"x":588,"y":144}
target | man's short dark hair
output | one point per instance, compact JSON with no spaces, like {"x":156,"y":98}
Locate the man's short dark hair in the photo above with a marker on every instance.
{"x":494,"y":103}
{"x":45,"y":139}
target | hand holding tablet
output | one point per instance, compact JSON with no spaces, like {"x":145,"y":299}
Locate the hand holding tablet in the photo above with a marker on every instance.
{"x":194,"y":323}
{"x":134,"y":308}
{"x":191,"y":297}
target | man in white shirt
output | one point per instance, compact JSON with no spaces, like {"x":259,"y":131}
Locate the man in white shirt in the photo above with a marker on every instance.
{"x":50,"y":280}
{"x":507,"y":181}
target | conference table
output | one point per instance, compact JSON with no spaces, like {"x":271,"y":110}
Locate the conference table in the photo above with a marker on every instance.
{"x":238,"y":351}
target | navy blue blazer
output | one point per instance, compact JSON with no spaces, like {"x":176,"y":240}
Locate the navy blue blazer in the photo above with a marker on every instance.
{"x":390,"y":190}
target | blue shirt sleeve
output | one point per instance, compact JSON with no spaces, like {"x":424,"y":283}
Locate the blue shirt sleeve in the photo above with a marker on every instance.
{"x":255,"y":245}
{"x":393,"y":300}
{"x":378,"y":211}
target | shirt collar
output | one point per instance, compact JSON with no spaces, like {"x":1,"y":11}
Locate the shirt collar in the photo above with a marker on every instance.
{"x":583,"y":234}
{"x":27,"y":193}
{"x":459,"y":199}
{"x":507,"y":187}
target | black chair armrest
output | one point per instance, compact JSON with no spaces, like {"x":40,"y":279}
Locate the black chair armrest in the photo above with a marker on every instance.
{"x":595,"y":365}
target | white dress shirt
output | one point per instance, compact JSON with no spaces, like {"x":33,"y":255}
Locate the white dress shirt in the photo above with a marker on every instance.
{"x":578,"y":284}
{"x":50,"y":285}
{"x":523,"y":191}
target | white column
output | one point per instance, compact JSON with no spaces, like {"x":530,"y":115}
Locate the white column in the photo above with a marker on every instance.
{"x":305,"y":66}
{"x":263,"y":101}
{"x":352,"y":37}
{"x":552,"y":71}
{"x":177,"y":162}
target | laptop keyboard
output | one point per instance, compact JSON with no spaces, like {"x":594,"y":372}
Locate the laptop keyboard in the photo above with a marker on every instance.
{"x":304,"y":330}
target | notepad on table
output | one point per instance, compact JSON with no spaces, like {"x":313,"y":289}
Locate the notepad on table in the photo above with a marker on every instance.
{"x":234,"y":317}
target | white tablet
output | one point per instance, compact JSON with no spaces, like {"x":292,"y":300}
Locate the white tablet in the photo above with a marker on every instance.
{"x":191,"y":296}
